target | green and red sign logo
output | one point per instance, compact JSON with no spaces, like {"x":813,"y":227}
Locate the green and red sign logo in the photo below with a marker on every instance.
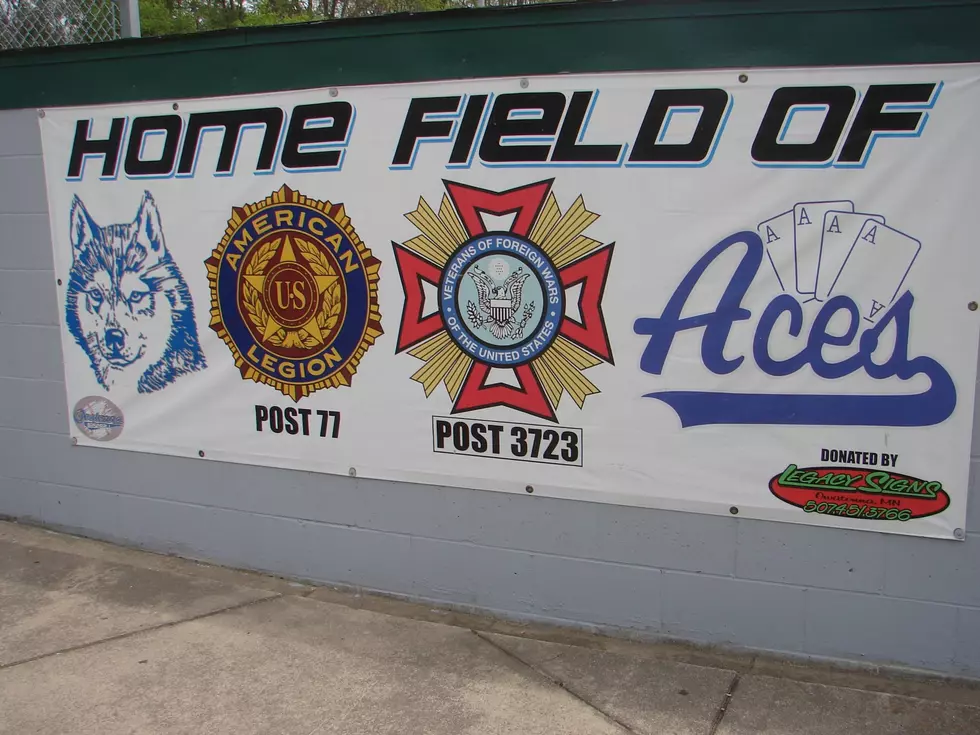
{"x":859,"y":492}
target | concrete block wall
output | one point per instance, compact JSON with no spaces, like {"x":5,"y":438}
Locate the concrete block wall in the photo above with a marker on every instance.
{"x":787,"y":588}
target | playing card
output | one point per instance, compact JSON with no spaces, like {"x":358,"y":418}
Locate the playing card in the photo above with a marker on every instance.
{"x":777,"y":236}
{"x":808,"y":225}
{"x":875,"y":268}
{"x":840,"y":230}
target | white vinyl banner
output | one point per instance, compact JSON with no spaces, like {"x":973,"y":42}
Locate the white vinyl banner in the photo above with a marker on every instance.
{"x":705,"y":291}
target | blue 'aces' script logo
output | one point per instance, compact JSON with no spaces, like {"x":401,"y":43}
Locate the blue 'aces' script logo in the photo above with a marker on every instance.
{"x":696,"y":408}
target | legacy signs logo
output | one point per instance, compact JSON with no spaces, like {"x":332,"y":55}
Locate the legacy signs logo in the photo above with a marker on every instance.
{"x":859,"y":492}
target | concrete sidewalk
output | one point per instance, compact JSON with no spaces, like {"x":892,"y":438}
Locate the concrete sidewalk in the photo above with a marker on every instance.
{"x":99,"y":639}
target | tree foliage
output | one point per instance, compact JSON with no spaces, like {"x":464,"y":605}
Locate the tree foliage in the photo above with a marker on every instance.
{"x":58,"y":22}
{"x":165,"y":17}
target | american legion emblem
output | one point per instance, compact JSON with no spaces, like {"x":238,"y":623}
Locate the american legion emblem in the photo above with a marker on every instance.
{"x":516,"y":315}
{"x":294,"y":293}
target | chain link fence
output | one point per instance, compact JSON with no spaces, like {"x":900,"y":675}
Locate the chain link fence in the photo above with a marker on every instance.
{"x":29,"y":23}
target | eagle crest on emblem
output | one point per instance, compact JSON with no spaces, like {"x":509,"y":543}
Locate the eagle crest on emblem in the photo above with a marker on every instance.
{"x":499,"y":305}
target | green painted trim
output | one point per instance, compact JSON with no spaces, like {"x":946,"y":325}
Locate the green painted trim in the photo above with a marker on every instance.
{"x":545,"y":39}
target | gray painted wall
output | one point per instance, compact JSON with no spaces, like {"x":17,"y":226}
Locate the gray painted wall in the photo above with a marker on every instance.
{"x":783,"y":587}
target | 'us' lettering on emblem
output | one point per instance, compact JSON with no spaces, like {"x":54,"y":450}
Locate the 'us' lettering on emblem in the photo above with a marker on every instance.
{"x":294,"y":293}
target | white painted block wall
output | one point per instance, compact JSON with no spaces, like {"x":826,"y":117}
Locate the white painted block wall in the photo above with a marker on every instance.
{"x":788,"y":588}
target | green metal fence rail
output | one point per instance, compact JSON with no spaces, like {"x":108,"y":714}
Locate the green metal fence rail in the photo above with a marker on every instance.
{"x":546,"y":39}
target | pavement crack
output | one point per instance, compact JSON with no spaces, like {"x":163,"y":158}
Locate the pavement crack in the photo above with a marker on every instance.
{"x":558,"y":683}
{"x":130,"y":633}
{"x":723,"y":707}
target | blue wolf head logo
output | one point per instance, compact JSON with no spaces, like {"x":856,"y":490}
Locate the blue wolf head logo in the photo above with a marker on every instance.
{"x":128,"y":306}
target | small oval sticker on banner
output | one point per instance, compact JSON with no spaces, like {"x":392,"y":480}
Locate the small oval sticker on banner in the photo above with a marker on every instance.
{"x":98,"y":418}
{"x":859,"y":492}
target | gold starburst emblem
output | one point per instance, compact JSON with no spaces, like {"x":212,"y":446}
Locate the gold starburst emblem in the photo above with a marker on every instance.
{"x":294,"y":293}
{"x":503,"y":298}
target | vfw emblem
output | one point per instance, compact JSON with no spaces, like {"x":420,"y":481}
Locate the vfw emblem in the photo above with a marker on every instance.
{"x":502,"y":329}
{"x":294,"y":293}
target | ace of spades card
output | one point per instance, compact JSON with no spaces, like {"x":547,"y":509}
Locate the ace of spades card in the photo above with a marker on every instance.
{"x":876,"y":267}
{"x":808,"y":220}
